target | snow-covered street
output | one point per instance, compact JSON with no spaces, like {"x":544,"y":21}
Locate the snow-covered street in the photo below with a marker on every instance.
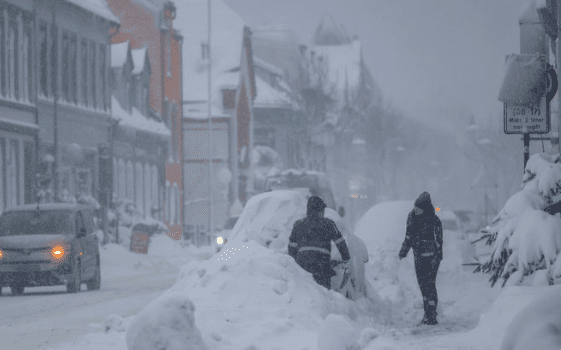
{"x":252,"y":297}
{"x":45,"y":317}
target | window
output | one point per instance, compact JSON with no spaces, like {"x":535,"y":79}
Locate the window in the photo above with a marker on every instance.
{"x":115,"y":178}
{"x":173,"y":132}
{"x":73,"y":84}
{"x":84,"y":69}
{"x":139,"y":186}
{"x":176,"y":204}
{"x":103,"y":73}
{"x":27,"y":61}
{"x":147,"y":191}
{"x":168,"y":54}
{"x":130,"y":181}
{"x":65,"y":65}
{"x":122,"y":180}
{"x":92,"y":75}
{"x":168,"y":203}
{"x":12,"y":183}
{"x":43,"y":59}
{"x":126,"y":106}
{"x":155,"y":190}
{"x":144,"y":99}
{"x":12,"y":56}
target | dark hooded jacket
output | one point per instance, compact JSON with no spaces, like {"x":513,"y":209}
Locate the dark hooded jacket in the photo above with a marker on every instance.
{"x":315,"y":231}
{"x":424,"y":232}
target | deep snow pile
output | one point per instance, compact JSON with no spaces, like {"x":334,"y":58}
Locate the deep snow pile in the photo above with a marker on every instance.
{"x":538,"y":325}
{"x":526,"y":240}
{"x":254,"y":296}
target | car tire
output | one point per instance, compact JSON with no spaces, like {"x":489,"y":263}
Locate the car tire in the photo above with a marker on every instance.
{"x":73,"y":286}
{"x":95,"y":282}
{"x":17,"y":289}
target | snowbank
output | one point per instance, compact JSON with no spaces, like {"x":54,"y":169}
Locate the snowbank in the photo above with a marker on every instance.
{"x":538,"y":325}
{"x":167,"y":323}
{"x":253,"y":295}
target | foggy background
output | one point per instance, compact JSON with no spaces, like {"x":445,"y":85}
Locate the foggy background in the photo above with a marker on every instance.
{"x":438,"y":62}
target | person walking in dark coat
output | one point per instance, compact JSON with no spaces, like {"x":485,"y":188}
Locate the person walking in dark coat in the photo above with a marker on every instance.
{"x":424,"y":235}
{"x":310,"y":242}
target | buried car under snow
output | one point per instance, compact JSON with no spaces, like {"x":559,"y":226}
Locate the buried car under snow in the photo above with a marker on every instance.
{"x":48,"y":244}
{"x":268,"y":219}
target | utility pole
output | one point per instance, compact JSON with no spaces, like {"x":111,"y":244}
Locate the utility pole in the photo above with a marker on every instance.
{"x":54,"y":57}
{"x":210,"y":177}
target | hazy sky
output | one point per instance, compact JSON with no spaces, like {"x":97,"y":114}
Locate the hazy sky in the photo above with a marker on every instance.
{"x":437,"y":60}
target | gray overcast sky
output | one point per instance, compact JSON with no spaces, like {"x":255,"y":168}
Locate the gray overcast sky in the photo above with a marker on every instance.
{"x":437,"y":60}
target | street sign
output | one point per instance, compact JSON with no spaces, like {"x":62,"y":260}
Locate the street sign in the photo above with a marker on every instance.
{"x":532,"y":119}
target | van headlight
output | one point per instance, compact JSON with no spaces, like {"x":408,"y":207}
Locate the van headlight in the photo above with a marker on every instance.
{"x":219,"y":240}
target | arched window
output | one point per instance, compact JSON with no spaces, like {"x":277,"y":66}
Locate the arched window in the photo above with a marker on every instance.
{"x":139,"y":193}
{"x":147,"y":191}
{"x":130,"y":181}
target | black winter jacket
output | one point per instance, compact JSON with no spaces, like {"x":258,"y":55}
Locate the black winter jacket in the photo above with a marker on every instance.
{"x":317,"y":232}
{"x":421,"y":231}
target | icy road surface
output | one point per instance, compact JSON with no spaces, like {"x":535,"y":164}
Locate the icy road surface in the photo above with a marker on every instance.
{"x":43,"y":317}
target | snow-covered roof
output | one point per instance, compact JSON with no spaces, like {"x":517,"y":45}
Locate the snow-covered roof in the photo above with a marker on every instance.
{"x":139,"y":59}
{"x":98,"y":7}
{"x":136,"y":119}
{"x":268,"y":96}
{"x":267,"y":66}
{"x":343,"y":63}
{"x":119,"y":54}
{"x":329,"y":33}
{"x":225,"y":50}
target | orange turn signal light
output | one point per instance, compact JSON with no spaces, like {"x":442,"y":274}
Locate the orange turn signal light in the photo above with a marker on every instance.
{"x":57,"y":252}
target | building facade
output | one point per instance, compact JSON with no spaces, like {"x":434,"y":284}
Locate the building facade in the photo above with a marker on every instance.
{"x":139,"y":137}
{"x":71,"y":47}
{"x":18,"y":104}
{"x":149,"y":24}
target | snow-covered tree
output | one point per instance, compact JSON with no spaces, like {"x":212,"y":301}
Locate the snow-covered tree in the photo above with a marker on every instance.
{"x":526,"y":234}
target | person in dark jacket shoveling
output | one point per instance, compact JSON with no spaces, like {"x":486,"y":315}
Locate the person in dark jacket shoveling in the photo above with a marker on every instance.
{"x":310,"y":242}
{"x":424,"y":235}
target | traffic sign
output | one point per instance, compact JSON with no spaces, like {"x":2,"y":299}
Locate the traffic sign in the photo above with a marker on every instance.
{"x":531,"y":119}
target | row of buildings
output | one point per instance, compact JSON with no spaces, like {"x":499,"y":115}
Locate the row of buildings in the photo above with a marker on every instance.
{"x":109,"y":100}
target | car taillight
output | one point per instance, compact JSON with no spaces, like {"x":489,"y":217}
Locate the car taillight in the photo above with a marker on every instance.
{"x":57,"y":252}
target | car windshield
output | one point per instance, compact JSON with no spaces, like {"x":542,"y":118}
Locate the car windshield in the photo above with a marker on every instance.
{"x":17,"y":223}
{"x":449,"y":225}
{"x":230,"y":223}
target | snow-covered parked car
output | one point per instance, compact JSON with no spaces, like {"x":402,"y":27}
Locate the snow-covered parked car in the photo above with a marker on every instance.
{"x":49,"y":244}
{"x":268,"y":219}
{"x":452,"y":225}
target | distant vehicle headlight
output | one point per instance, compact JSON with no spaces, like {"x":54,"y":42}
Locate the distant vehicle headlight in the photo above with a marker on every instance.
{"x":1,"y":254}
{"x":57,"y":252}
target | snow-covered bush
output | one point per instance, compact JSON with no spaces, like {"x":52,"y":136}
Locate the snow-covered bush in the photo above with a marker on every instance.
{"x":524,"y":235}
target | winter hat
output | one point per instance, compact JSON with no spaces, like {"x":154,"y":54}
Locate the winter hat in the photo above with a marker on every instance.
{"x":423,"y":201}
{"x":315,"y":205}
